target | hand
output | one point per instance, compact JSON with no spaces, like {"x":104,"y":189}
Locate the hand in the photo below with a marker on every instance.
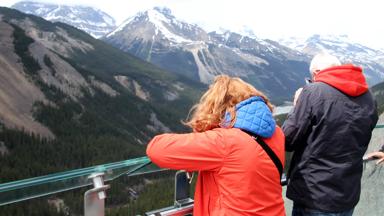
{"x":379,"y":155}
{"x":297,"y":94}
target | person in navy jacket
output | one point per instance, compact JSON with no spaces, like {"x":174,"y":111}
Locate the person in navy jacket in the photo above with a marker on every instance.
{"x":329,"y":130}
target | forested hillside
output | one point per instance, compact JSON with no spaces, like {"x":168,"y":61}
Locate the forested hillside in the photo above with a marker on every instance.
{"x":70,"y":101}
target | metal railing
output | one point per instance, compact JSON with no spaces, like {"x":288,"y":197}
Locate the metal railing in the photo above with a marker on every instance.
{"x":17,"y":191}
{"x":51,"y":184}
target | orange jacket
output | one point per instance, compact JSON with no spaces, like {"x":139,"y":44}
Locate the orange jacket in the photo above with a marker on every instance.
{"x":236,"y":176}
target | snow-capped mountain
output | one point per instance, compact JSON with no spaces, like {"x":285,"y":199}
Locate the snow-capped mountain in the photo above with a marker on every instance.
{"x":162,"y":25}
{"x":158,"y":37}
{"x":243,"y":30}
{"x":91,"y":20}
{"x":346,"y":50}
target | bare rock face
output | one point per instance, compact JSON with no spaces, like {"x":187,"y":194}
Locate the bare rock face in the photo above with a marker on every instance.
{"x":17,"y":92}
{"x":157,"y":125}
{"x":103,"y":87}
{"x":133,"y":86}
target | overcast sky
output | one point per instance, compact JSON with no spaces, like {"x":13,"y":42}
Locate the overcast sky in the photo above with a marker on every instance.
{"x":361,"y":20}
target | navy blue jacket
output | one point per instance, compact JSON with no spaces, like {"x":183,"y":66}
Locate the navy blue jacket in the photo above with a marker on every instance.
{"x":329,"y":132}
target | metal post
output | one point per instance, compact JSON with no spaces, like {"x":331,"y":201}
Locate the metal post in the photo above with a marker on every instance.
{"x":183,"y":203}
{"x":94,"y":198}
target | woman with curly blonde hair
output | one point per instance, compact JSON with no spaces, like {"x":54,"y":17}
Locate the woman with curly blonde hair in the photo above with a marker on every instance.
{"x":237,"y":176}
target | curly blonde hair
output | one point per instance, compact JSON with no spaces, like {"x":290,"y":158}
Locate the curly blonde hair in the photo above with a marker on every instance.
{"x":221,"y":97}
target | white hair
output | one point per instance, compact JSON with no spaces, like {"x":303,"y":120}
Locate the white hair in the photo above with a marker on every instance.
{"x":322,"y":61}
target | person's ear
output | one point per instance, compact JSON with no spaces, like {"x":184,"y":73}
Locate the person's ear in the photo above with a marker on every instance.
{"x":314,"y":73}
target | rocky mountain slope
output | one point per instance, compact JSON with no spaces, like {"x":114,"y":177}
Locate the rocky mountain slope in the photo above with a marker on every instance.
{"x":47,"y":68}
{"x":69,"y":101}
{"x":157,"y":36}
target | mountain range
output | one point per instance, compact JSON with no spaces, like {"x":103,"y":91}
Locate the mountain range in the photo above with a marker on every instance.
{"x":68,"y":100}
{"x":182,"y":48}
{"x":348,"y":51}
{"x":91,"y":20}
{"x":159,"y":37}
{"x":277,"y":68}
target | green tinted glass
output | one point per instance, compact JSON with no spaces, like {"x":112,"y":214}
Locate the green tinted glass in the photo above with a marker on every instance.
{"x":370,"y":201}
{"x":58,"y":182}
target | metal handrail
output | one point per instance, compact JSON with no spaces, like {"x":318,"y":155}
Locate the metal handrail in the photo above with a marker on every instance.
{"x":58,"y":182}
{"x":25,"y":189}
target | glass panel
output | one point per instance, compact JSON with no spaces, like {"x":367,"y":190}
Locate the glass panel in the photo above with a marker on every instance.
{"x":58,"y":182}
{"x":141,"y":193}
{"x":372,"y":183}
{"x":40,"y":186}
{"x":147,"y":168}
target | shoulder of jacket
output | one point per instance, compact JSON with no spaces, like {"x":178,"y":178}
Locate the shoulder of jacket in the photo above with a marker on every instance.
{"x":222,"y":133}
{"x":226,"y":132}
{"x":319,"y":91}
{"x":231,"y":135}
{"x":315,"y":86}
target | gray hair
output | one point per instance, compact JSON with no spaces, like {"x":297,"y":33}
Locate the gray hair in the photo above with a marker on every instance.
{"x":322,"y":61}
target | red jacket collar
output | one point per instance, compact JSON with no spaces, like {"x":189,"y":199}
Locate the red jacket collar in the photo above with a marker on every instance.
{"x":347,"y":78}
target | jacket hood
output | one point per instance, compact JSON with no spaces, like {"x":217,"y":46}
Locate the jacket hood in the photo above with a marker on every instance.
{"x":254,"y":116}
{"x":348,"y":79}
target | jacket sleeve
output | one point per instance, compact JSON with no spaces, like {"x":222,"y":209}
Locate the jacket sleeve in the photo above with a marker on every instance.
{"x":191,"y":152}
{"x":298,"y":121}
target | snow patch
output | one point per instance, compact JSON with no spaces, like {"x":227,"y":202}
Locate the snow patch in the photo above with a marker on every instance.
{"x":108,"y":20}
{"x":121,"y":26}
{"x":245,"y":31}
{"x":158,"y":19}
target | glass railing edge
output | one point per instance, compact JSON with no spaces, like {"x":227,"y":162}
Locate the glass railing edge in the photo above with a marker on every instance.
{"x":71,"y":174}
{"x":82,"y":171}
{"x":41,"y":195}
{"x":131,"y":167}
